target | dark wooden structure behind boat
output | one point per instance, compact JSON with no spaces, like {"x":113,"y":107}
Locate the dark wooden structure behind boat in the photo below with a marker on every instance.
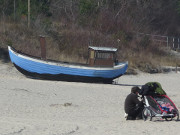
{"x":43,"y":47}
{"x":102,"y":56}
{"x":98,"y":56}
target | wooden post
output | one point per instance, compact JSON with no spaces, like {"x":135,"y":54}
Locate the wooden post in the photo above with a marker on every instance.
{"x":29,"y":13}
{"x":3,"y":22}
{"x":14,"y":10}
{"x":43,"y":47}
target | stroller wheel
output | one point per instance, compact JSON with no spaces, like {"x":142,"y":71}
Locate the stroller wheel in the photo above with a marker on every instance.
{"x":177,"y":116}
{"x":146,"y":114}
{"x":176,"y":113}
{"x":168,"y":119}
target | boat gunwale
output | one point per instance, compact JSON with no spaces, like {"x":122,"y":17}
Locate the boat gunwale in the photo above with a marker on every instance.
{"x":64,"y":64}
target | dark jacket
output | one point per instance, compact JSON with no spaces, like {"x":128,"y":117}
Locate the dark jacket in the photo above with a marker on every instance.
{"x":131,"y":102}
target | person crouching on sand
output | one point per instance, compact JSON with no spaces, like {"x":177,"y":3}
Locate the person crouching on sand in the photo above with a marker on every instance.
{"x":133,"y":106}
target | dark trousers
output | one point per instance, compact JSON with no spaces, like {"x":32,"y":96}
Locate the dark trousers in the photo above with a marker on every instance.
{"x":133,"y":114}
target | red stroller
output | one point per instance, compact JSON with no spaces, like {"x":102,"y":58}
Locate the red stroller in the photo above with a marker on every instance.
{"x":157,"y":103}
{"x":159,"y":106}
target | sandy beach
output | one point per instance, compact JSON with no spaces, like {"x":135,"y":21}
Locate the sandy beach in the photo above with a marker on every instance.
{"x":40,"y":107}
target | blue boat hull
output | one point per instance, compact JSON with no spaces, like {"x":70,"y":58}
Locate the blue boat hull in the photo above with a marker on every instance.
{"x":51,"y":70}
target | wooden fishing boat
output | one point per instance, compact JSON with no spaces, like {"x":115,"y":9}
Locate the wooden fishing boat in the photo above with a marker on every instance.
{"x":101,"y":66}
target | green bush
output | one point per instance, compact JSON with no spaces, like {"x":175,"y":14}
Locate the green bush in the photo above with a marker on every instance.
{"x":21,"y":7}
{"x":145,"y":42}
{"x":87,"y":7}
{"x":9,"y":42}
{"x":122,"y":36}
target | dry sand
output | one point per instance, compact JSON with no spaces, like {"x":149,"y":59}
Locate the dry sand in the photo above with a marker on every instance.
{"x":37,"y":107}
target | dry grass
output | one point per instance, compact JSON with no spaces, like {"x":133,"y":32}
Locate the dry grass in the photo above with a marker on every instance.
{"x":71,"y":44}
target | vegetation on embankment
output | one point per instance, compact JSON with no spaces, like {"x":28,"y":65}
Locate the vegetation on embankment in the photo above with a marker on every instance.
{"x":71,"y":26}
